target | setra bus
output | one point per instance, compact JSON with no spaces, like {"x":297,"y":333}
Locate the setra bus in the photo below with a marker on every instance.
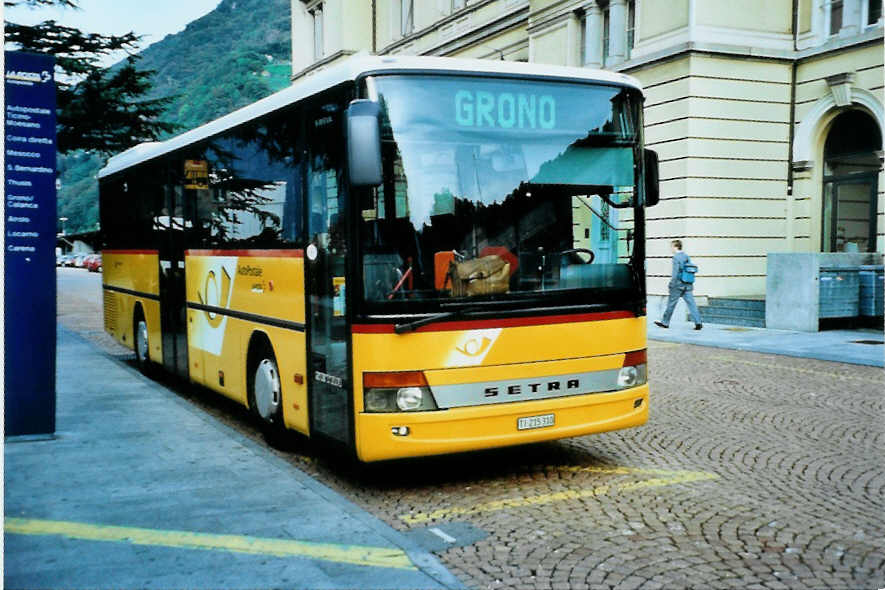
{"x":406,"y":256}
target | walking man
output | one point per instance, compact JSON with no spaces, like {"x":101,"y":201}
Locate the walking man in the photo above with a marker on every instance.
{"x":680,"y":288}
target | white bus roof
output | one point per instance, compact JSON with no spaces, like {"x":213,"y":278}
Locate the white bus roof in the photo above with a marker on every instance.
{"x":351,"y":69}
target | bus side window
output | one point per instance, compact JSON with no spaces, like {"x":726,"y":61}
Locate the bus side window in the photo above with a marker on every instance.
{"x":118,"y":215}
{"x":323,"y":186}
{"x":147,"y":193}
{"x":255,"y":198}
{"x":325,"y":219}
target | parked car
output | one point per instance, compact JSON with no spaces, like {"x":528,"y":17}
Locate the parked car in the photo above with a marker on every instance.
{"x":79,"y":259}
{"x":93,"y":263}
{"x":68,"y":260}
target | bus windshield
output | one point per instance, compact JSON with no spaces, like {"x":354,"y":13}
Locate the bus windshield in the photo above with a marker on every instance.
{"x":500,"y":190}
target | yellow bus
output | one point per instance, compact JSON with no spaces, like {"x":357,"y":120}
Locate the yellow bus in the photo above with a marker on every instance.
{"x":404,"y":256}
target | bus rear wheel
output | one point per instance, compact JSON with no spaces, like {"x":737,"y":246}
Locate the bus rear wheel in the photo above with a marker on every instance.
{"x":141,"y":343}
{"x":266,"y":396}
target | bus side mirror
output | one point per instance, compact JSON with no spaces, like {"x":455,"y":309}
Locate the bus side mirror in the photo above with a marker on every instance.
{"x":363,"y":130}
{"x":652,"y":178}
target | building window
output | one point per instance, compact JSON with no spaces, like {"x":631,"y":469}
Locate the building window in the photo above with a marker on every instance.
{"x":835,"y":16}
{"x":631,"y":28}
{"x":874,"y":11}
{"x":407,"y":21}
{"x":458,"y":4}
{"x":317,"y":17}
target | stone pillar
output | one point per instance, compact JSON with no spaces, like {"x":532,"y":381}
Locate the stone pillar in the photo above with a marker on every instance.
{"x":573,"y":30}
{"x":819,"y":21}
{"x":593,"y":37}
{"x":617,"y":35}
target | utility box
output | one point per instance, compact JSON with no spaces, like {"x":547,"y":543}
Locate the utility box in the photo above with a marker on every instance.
{"x":872,"y":291}
{"x":839,"y":292}
{"x":801,"y":288}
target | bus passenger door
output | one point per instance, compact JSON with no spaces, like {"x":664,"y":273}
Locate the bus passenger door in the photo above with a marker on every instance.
{"x":325,"y":261}
{"x":173,"y":310}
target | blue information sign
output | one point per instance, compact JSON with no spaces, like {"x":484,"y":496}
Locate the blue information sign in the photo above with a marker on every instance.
{"x":29,"y":244}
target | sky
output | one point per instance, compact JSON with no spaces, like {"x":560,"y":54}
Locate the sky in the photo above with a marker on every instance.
{"x":152,"y":19}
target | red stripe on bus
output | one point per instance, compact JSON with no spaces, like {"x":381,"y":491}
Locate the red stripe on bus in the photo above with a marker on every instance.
{"x":130,"y":251}
{"x":444,"y":326}
{"x":248,"y":253}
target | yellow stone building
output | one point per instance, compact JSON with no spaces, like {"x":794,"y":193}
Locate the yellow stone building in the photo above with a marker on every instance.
{"x":767,"y":114}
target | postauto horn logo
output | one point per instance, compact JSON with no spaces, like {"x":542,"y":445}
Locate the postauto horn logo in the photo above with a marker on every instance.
{"x":215,"y":294}
{"x":28,"y":78}
{"x":474,"y":346}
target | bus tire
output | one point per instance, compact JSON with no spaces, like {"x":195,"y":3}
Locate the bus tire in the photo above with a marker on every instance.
{"x":266,"y":393}
{"x":141,"y":342}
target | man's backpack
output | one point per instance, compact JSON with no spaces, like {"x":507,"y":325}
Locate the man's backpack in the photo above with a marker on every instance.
{"x":686,"y":275}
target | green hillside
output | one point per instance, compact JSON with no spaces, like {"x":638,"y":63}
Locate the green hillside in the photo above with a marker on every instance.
{"x":78,"y":193}
{"x":233,"y":56}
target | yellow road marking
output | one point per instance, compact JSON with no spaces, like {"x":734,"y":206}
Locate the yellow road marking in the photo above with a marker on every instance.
{"x":353,"y":554}
{"x":798,"y":369}
{"x":669,"y":477}
{"x":617,"y":470}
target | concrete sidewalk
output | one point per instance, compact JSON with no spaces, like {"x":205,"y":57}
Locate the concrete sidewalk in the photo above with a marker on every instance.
{"x":141,"y":490}
{"x":843,"y":346}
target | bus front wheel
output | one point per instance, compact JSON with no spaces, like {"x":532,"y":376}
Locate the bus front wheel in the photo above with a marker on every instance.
{"x":266,"y":395}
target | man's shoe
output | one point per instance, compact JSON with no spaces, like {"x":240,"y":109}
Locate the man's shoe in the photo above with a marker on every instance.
{"x":698,"y":326}
{"x":662,"y":325}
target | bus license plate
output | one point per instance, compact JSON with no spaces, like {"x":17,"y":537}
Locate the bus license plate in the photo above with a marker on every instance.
{"x":534,"y":422}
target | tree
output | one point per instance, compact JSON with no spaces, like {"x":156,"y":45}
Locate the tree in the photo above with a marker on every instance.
{"x":99,"y":109}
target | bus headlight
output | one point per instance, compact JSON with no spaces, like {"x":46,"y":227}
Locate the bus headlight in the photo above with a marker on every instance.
{"x":632,"y":376}
{"x":404,"y":391}
{"x":409,"y":398}
{"x":635,"y":369}
{"x":377,"y":400}
{"x":403,"y":399}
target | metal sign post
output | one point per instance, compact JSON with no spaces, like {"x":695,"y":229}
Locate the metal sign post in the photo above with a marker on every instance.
{"x":29,"y":244}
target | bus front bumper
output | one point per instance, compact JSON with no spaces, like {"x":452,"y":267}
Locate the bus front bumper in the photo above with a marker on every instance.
{"x":383,"y":436}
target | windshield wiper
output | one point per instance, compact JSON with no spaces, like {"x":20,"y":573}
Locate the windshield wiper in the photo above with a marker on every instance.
{"x":437,"y":317}
{"x":603,"y":191}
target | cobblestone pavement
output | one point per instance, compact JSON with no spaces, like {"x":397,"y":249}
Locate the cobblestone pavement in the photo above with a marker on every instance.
{"x":755,"y":471}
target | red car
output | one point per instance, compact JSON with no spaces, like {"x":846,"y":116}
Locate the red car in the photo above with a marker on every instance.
{"x":93,"y":263}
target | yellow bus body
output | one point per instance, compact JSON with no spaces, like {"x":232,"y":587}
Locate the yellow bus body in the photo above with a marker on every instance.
{"x":257,"y":293}
{"x":263,"y":287}
{"x":132,"y":278}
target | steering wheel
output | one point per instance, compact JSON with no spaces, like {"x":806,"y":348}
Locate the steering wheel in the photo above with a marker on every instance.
{"x":581,"y":251}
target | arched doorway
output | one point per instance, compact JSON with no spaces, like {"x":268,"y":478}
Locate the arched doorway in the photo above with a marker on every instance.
{"x":851,"y":172}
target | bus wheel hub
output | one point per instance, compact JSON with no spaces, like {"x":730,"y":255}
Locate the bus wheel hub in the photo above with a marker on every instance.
{"x":267,"y":389}
{"x":141,"y":345}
